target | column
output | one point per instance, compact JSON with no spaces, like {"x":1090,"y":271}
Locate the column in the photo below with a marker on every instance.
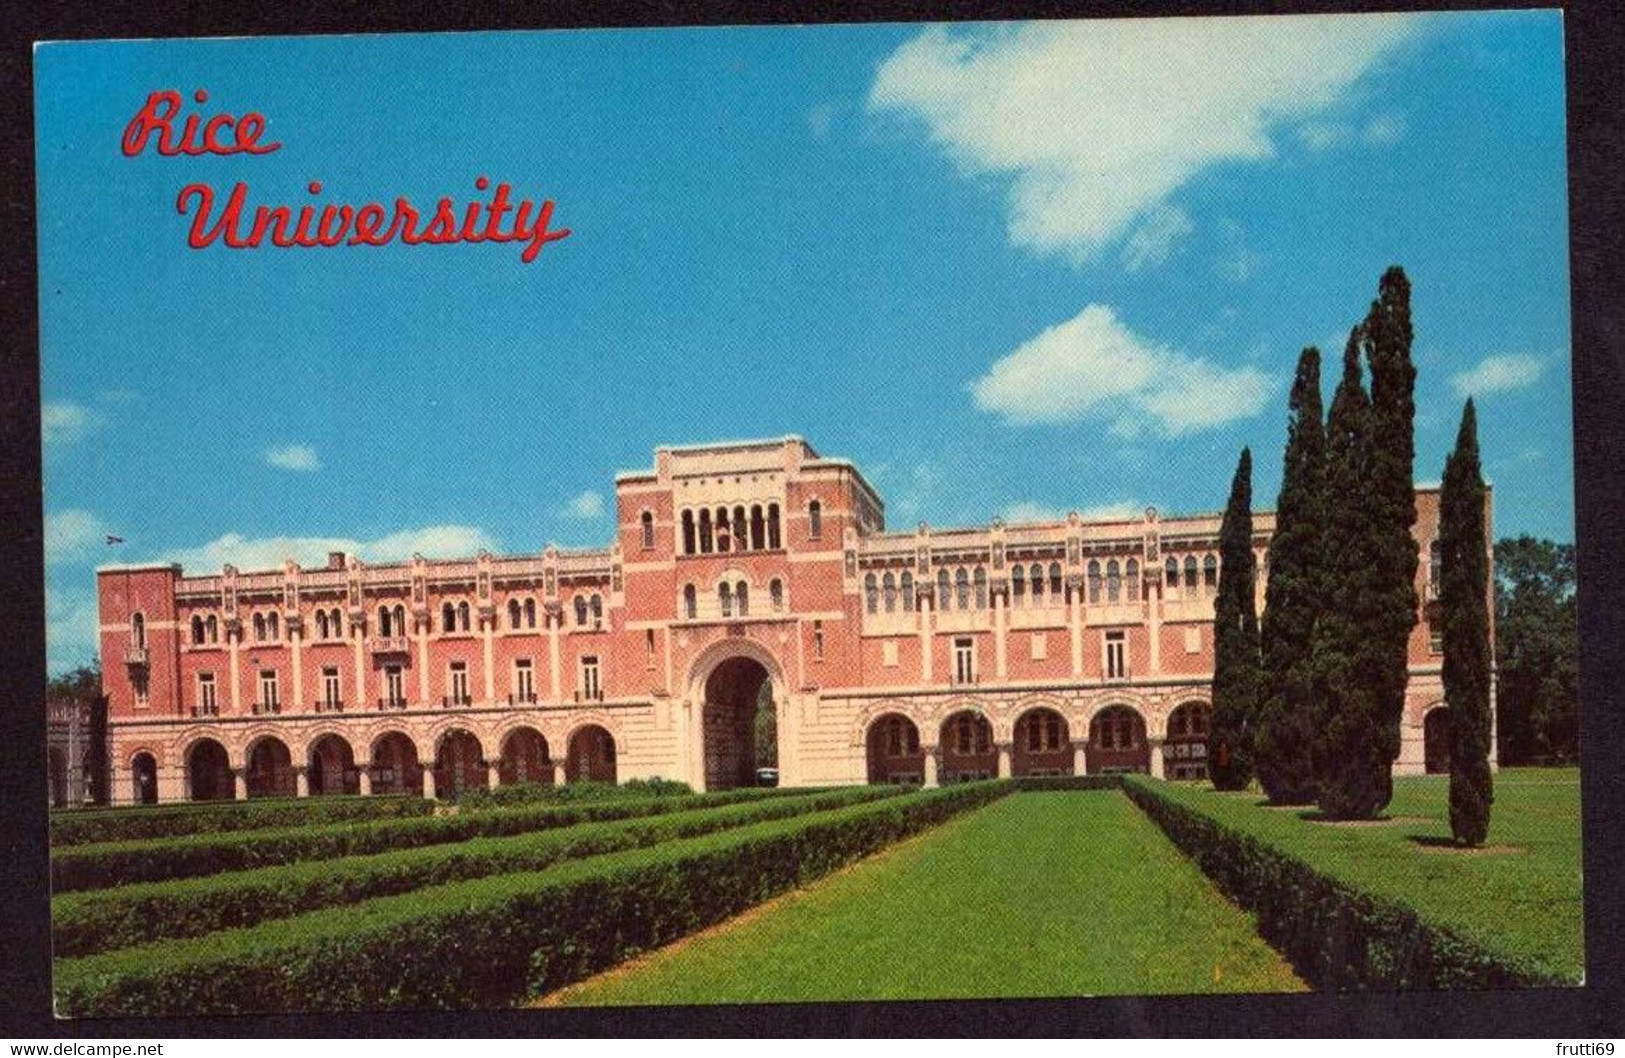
{"x":557,"y":771}
{"x":487,"y":657}
{"x":423,"y":661}
{"x":1156,"y":758}
{"x":1001,"y":625}
{"x":1075,"y":621}
{"x":297,"y":645}
{"x":364,"y":778}
{"x":927,"y":609}
{"x":428,"y":782}
{"x":1080,"y":758}
{"x":493,"y":777}
{"x":1154,"y":605}
{"x":233,"y":643}
{"x":1004,"y":760}
{"x":239,"y":783}
{"x":556,"y":694}
{"x":930,"y":755}
{"x":171,"y":786}
{"x":360,"y":668}
{"x":301,"y":781}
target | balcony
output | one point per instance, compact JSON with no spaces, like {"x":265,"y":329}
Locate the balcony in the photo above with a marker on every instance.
{"x":389,"y":645}
{"x":135,"y":656}
{"x":211,"y":709}
{"x":594,"y":695}
{"x":333,"y":706}
{"x":391,"y":703}
{"x":453,"y":701}
{"x":523,"y":698}
{"x":266,"y":708}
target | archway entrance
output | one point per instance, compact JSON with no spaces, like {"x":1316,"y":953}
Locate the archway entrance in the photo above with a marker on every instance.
{"x":894,"y":750}
{"x":740,"y":725}
{"x":458,"y":765}
{"x":270,"y":769}
{"x":1184,"y":753}
{"x":332,"y":767}
{"x":1117,"y":742}
{"x":524,"y":758}
{"x":208,"y":772}
{"x":395,"y":767}
{"x":1043,"y":744}
{"x":590,"y":757}
{"x":1436,"y":741}
{"x":144,"y":779}
{"x":967,"y":748}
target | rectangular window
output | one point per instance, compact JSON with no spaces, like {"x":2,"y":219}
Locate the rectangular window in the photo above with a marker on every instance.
{"x":818,"y":641}
{"x":332,"y":697}
{"x":649,"y":647}
{"x":207,"y":702}
{"x":394,"y":687}
{"x":591,"y":687}
{"x":1116,"y":656}
{"x":459,"y":683}
{"x":524,"y":680}
{"x":268,"y":691}
{"x":139,"y":681}
{"x":964,"y":661}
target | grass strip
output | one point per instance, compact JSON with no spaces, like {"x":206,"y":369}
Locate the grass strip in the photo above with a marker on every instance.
{"x":495,"y":941}
{"x":84,"y":923}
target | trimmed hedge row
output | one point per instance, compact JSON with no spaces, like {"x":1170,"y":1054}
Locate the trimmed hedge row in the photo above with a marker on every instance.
{"x":1069,"y":782}
{"x":494,"y":941}
{"x":525,"y":793}
{"x":102,"y":920}
{"x":1335,"y":936}
{"x":145,"y":824}
{"x":124,"y":863}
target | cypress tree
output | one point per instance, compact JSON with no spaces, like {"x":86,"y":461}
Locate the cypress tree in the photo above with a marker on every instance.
{"x":1350,"y":768}
{"x":1391,"y":493}
{"x":1235,"y":640}
{"x":1464,"y":600}
{"x":1285,"y":731}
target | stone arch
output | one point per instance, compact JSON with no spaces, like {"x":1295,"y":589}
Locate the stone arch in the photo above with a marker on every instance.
{"x":459,"y":760}
{"x":1184,"y":733}
{"x":966,"y":745}
{"x":591,"y":754}
{"x":868,"y":714}
{"x":438,"y":731}
{"x":722,"y":650}
{"x":1118,"y":738}
{"x":526,"y":756}
{"x":143,"y":778}
{"x":268,"y":767}
{"x":395,"y":763}
{"x":1142,"y":704}
{"x":1004,"y":725}
{"x":728,"y":679}
{"x":1041,"y":740}
{"x":330,"y":764}
{"x":893,"y":751}
{"x":208,"y":770}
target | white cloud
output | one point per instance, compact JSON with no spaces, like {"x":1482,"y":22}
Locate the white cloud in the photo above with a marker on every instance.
{"x":261,"y":553}
{"x":1027,"y":511}
{"x":71,"y":628}
{"x":910,"y":502}
{"x":1124,"y":510}
{"x":587,"y":505}
{"x":294,"y":457}
{"x":1496,"y":374}
{"x":820,"y":117}
{"x":1092,"y":366}
{"x":1383,"y":130}
{"x":63,"y":421}
{"x":1379,"y":131}
{"x":72,"y":535}
{"x":1098,"y":123}
{"x":1153,"y":241}
{"x":1237,"y":264}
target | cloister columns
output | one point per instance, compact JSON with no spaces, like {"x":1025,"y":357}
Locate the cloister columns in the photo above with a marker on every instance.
{"x":930,"y":762}
{"x":1156,"y":757}
{"x":301,"y":781}
{"x":239,"y":783}
{"x":363,"y":774}
{"x":1004,"y":760}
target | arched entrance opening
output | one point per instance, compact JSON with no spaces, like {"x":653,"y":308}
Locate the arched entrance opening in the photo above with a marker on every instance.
{"x":57,"y":776}
{"x":524,"y":758}
{"x":144,"y":779}
{"x":1117,"y":742}
{"x":332,"y":767}
{"x":1043,"y":744}
{"x":395,"y":767}
{"x":1184,"y":754}
{"x":894,"y":750}
{"x":740,"y":728}
{"x":968,"y":752}
{"x":458,"y":763}
{"x":590,"y":756}
{"x":1436,"y":741}
{"x":270,"y":769}
{"x":208,"y":772}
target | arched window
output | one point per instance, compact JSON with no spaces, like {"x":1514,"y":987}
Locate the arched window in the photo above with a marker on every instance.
{"x":688,"y":532}
{"x":1037,"y":574}
{"x":1018,"y":586}
{"x":962,"y":588}
{"x":1094,"y":580}
{"x":214,"y":627}
{"x":942,"y":600}
{"x":581,"y":611}
{"x":385,"y":626}
{"x":758,"y":527}
{"x":981,"y":587}
{"x":271,"y":626}
{"x":722,"y":530}
{"x":908,"y":591}
{"x":871,"y":594}
{"x":530,"y":613}
{"x":691,"y":604}
{"x":197,"y":630}
{"x":815,"y":520}
{"x":648,"y":521}
{"x":775,"y":594}
{"x":1133,"y":572}
{"x":725,"y":599}
{"x":742,"y":596}
{"x":1435,"y":567}
{"x":321,"y":624}
{"x":597,"y":610}
{"x":335,"y":622}
{"x":462,"y":617}
{"x":1171,"y":572}
{"x":514,"y":613}
{"x":1191,"y":581}
{"x":138,"y":629}
{"x":400,"y":620}
{"x":741,"y":530}
{"x":1210,"y":574}
{"x":259,"y":627}
{"x":774,"y":538}
{"x":889,"y":592}
{"x":1114,"y":581}
{"x":1055,"y":581}
{"x":705,"y":532}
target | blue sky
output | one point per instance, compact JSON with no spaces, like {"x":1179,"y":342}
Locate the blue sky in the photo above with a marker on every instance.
{"x":1012,"y":269}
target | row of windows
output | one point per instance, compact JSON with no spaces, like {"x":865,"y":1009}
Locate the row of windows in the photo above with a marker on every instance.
{"x":727,"y":530}
{"x":967,"y":589}
{"x":733,"y":598}
{"x":329,"y":624}
{"x":1041,"y":731}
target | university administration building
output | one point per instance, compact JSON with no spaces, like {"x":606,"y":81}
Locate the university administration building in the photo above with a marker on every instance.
{"x":927,"y":655}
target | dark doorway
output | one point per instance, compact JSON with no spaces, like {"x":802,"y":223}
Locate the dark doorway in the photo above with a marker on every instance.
{"x":734,"y":696}
{"x":144,"y":779}
{"x":208,"y":772}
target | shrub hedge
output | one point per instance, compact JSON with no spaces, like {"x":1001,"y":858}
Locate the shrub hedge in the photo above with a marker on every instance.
{"x":84,"y":923}
{"x":1069,"y":782}
{"x":534,"y":792}
{"x":138,"y":824}
{"x":1335,"y":936}
{"x":191,"y":856}
{"x":494,"y":941}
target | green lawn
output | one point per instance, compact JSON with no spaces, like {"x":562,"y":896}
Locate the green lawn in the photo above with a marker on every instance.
{"x":1039,"y":894}
{"x":1525,"y":902}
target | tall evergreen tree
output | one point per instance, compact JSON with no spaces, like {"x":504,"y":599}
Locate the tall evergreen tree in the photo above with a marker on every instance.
{"x":1537,"y":652}
{"x":1350,"y":766}
{"x":1464,"y":600}
{"x":1285,"y":731}
{"x":1236,"y":674}
{"x":1391,"y":493}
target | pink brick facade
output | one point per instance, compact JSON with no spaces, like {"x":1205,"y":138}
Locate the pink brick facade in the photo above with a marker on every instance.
{"x":920,"y":655}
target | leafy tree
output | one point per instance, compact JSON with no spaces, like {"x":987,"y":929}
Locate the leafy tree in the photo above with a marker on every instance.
{"x":1391,"y":493}
{"x":1285,"y":731}
{"x":766,"y":728}
{"x":83,"y":683}
{"x":1350,"y":765}
{"x":1464,"y":602}
{"x":1537,"y":652}
{"x":1236,"y":675}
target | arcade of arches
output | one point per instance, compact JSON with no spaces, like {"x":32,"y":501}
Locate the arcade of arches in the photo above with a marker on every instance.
{"x":737,"y":739}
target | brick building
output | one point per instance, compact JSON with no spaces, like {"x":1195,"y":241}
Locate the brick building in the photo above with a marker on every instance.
{"x":925,"y":655}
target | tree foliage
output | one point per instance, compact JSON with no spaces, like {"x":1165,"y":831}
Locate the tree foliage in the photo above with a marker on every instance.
{"x":1285,"y":729}
{"x":1464,"y":602}
{"x":82,"y":684}
{"x":1236,"y":674}
{"x":1536,"y":652}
